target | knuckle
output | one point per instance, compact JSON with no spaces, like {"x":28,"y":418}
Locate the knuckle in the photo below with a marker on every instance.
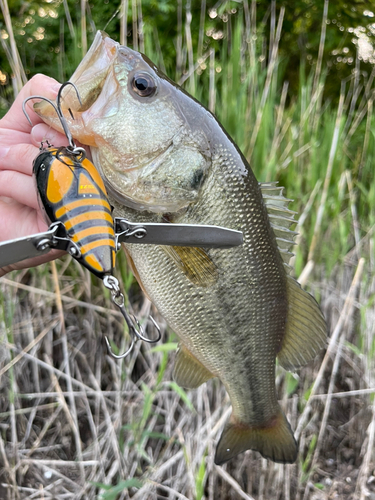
{"x":38,"y":79}
{"x":40,"y":84}
{"x":24,"y":155}
{"x":7,"y":180}
{"x":19,"y":158}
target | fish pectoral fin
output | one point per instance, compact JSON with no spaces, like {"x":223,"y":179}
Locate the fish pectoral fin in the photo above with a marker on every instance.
{"x":306,"y":329}
{"x":274,"y":440}
{"x":188,"y":371}
{"x":195,"y":263}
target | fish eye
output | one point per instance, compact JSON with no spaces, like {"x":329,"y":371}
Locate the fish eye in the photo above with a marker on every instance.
{"x":143,"y":84}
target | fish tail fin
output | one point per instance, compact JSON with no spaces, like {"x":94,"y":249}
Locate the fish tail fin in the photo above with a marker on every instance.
{"x":275,"y":440}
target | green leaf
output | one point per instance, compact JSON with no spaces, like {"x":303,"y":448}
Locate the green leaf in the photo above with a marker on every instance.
{"x":353,"y":348}
{"x":156,"y":435}
{"x":170,"y":346}
{"x":292,"y":382}
{"x":320,"y":486}
{"x":142,"y":453}
{"x":182,"y":394}
{"x":200,"y":479}
{"x":113,"y":491}
{"x":306,"y":463}
{"x":307,"y":393}
{"x":162,"y":368}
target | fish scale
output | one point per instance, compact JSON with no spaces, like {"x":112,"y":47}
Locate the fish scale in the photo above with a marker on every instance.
{"x":226,"y":318}
{"x":226,"y":311}
{"x":164,"y":157}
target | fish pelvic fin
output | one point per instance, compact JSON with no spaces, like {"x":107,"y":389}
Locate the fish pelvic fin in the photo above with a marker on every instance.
{"x":274,"y":441}
{"x":306,"y":329}
{"x":195,"y":263}
{"x":188,"y":371}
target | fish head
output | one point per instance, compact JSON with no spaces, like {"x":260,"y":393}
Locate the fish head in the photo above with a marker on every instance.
{"x":144,"y":131}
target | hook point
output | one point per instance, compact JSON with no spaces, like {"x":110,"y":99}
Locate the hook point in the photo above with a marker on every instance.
{"x":119,"y":356}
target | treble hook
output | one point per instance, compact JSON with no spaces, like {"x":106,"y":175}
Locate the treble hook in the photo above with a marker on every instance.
{"x":135,"y":329}
{"x":57,"y":108}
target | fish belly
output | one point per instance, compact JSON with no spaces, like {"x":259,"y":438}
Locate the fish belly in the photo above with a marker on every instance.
{"x":233,"y":327}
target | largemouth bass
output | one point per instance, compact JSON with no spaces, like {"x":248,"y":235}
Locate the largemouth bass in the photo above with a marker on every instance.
{"x":164,"y":157}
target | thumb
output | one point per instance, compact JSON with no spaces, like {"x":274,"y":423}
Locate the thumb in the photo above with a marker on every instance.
{"x":38,"y":85}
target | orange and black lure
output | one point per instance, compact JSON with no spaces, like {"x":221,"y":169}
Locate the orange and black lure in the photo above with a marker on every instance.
{"x":73,"y":196}
{"x":71,"y":191}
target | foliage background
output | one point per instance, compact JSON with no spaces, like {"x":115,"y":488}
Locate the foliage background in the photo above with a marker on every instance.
{"x":51,"y":38}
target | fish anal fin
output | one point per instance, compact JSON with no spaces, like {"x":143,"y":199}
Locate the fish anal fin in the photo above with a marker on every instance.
{"x":195,"y":263}
{"x":188,"y":371}
{"x":306,"y":329}
{"x":274,"y":440}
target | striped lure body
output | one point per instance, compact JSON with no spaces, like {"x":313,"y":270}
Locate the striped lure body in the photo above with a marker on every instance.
{"x":71,"y":191}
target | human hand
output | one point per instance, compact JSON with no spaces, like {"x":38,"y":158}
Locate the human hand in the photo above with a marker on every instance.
{"x":20,"y":214}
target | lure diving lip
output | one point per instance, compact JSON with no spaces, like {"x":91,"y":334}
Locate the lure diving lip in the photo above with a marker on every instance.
{"x":35,"y":245}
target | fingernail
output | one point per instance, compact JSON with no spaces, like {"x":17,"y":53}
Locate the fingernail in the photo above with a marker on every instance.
{"x":39,"y":133}
{"x":55,"y":87}
{"x":3,"y":151}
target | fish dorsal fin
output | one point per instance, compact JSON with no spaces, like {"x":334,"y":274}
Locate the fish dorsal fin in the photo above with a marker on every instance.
{"x":188,"y":371}
{"x":281,"y":218}
{"x":195,"y":263}
{"x":306,"y":329}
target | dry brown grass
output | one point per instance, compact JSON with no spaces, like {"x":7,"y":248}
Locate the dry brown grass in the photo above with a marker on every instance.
{"x":71,"y":417}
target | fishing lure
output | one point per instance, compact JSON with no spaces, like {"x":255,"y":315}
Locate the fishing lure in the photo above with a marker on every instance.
{"x":71,"y":191}
{"x":74,"y":200}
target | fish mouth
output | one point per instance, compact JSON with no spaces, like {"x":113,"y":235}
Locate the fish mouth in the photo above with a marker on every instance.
{"x":89,"y":78}
{"x":159,"y":173}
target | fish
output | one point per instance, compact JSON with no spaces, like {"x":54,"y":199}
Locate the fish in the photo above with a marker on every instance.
{"x":165,"y":158}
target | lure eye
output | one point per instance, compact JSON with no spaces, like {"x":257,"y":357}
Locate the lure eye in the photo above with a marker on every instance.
{"x":144,"y":85}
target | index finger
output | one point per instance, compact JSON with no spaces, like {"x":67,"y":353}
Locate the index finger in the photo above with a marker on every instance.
{"x":38,"y":85}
